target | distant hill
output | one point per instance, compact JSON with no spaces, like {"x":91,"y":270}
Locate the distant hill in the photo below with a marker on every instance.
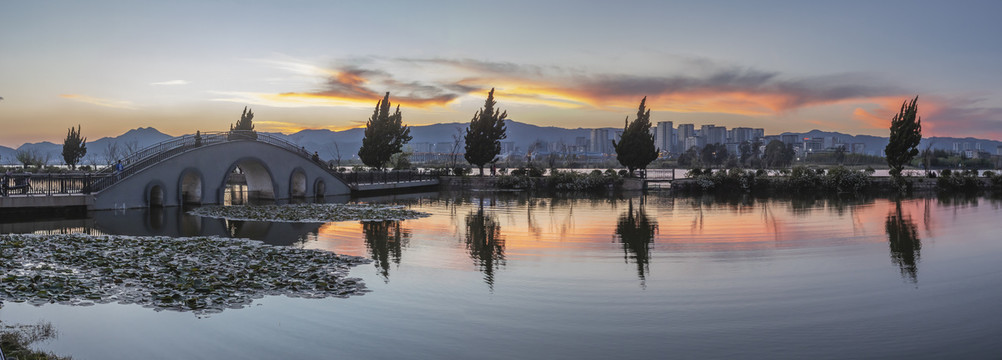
{"x":349,"y":141}
{"x":96,"y":150}
{"x":875,"y":144}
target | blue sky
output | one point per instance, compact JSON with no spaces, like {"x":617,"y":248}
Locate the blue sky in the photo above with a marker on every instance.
{"x":783,"y":65}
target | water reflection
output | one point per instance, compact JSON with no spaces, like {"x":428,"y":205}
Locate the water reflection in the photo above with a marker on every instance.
{"x":171,"y":221}
{"x":636,"y":232}
{"x":902,"y":234}
{"x":385,"y":241}
{"x":484,"y":242}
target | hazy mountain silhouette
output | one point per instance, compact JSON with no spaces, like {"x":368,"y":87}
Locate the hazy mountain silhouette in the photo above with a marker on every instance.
{"x":522,"y":134}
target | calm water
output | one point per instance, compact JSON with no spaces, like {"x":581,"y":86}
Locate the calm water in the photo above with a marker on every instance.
{"x":505,"y":275}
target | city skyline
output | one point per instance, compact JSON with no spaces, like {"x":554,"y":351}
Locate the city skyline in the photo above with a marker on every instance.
{"x":783,"y":66}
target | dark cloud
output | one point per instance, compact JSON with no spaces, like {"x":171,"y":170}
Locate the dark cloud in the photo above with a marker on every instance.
{"x":961,"y":119}
{"x":793,"y":93}
{"x":357,"y":83}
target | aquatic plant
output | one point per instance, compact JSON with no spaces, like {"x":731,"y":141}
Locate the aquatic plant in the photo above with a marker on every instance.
{"x":199,"y":274}
{"x":309,"y":212}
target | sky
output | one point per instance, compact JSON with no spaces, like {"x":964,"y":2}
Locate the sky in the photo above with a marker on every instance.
{"x":182,"y":66}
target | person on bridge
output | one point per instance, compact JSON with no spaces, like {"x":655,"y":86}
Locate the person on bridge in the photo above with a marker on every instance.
{"x":5,"y":183}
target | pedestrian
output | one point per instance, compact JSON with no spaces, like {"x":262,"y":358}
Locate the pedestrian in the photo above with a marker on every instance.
{"x":5,"y":184}
{"x":494,"y":169}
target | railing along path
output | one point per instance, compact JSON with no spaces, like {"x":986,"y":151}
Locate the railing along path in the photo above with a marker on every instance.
{"x":54,"y":184}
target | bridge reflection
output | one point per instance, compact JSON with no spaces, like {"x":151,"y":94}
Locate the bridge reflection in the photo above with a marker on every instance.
{"x":172,"y":222}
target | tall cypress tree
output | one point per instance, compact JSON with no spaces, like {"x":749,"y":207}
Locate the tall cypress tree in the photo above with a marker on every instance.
{"x":484,"y":135}
{"x":245,"y":125}
{"x":635,"y":148}
{"x":906,"y":132}
{"x":74,"y":147}
{"x":385,"y":135}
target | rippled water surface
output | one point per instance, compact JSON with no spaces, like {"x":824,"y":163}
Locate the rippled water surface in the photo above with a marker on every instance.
{"x":507,"y":275}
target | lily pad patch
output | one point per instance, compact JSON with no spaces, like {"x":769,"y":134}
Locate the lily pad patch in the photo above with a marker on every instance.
{"x":311,"y":213}
{"x":198,"y":274}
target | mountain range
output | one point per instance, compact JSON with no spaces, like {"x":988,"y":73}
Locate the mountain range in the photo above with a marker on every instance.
{"x":348,"y":141}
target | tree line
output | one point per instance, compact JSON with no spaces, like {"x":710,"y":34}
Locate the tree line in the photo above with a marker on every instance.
{"x":385,"y":135}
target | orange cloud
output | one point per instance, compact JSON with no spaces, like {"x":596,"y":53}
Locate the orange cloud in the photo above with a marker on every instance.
{"x":117,"y":104}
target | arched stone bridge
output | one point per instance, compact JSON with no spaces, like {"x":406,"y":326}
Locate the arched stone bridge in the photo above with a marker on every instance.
{"x":196,"y":170}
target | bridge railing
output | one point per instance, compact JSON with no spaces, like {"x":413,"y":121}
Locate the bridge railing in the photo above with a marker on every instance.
{"x":153,"y":154}
{"x":384,"y":177}
{"x":158,"y":152}
{"x":659,"y":174}
{"x":47,"y":184}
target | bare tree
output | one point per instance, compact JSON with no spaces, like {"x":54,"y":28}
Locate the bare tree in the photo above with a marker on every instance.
{"x":131,"y":147}
{"x":335,"y":152}
{"x":111,"y":153}
{"x":457,"y":141}
{"x":31,"y":157}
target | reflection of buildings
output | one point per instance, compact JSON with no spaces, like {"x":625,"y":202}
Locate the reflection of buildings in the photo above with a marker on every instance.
{"x":636,"y":232}
{"x":385,"y":241}
{"x":484,"y":241}
{"x":902,"y":235}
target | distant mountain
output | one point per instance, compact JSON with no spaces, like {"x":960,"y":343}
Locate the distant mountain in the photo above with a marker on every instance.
{"x":874,"y":145}
{"x":7,"y":155}
{"x":349,"y":141}
{"x":97,"y":150}
{"x":521,"y":134}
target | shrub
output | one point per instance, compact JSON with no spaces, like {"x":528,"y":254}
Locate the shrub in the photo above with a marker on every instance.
{"x":945,"y":173}
{"x":573,"y":181}
{"x":964,"y":181}
{"x":513,"y":181}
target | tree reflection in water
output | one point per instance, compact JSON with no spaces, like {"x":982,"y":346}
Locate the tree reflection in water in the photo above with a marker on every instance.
{"x":385,"y":241}
{"x":636,"y":232}
{"x":484,"y":241}
{"x":902,"y":234}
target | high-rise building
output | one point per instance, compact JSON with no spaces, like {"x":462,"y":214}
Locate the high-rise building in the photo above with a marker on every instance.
{"x":684,"y":132}
{"x":663,"y":136}
{"x":600,"y":141}
{"x":694,"y":141}
{"x":742,"y":134}
{"x":715,"y":134}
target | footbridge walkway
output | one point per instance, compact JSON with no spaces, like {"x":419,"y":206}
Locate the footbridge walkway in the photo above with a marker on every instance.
{"x":195,"y":169}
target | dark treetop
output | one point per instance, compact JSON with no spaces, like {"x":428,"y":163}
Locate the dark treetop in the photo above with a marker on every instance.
{"x":635,"y":148}
{"x":74,"y":147}
{"x":484,"y":135}
{"x":385,"y":135}
{"x":906,"y":132}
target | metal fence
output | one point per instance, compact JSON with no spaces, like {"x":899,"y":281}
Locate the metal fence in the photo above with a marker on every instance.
{"x":47,"y":184}
{"x":384,"y":177}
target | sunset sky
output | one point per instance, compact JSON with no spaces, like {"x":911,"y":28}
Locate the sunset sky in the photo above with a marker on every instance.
{"x":182,"y":66}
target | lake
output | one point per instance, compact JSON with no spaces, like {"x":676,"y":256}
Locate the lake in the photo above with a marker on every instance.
{"x":502,"y":275}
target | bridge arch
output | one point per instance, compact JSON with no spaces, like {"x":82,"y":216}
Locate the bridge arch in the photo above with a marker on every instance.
{"x":198,"y":172}
{"x":155,"y":193}
{"x":297,"y":183}
{"x":260,"y":182}
{"x":191,"y":186}
{"x":319,"y":188}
